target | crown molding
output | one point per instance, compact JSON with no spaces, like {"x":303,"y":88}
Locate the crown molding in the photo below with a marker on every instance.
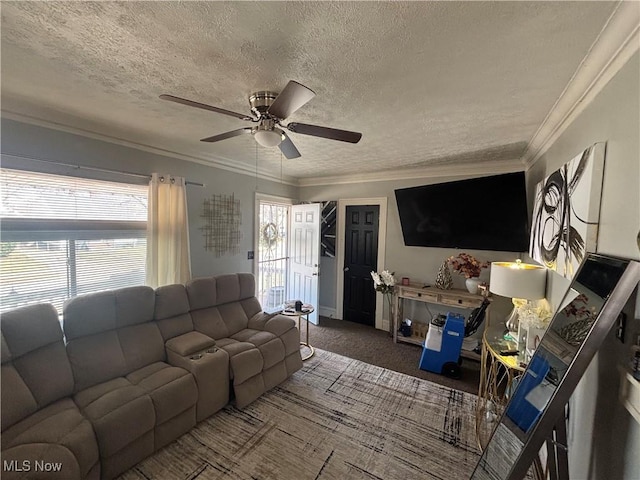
{"x":217,"y":162}
{"x":482,"y":168}
{"x":618,"y":40}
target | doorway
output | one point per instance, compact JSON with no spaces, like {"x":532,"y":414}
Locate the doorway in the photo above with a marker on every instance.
{"x":287,"y":253}
{"x":381,"y":202}
{"x":360,"y":259}
{"x":272,"y":232}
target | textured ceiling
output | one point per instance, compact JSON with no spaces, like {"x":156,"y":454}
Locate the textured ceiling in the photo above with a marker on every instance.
{"x":427,"y":83}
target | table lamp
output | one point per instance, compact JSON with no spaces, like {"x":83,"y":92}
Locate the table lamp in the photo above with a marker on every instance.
{"x":519,"y":281}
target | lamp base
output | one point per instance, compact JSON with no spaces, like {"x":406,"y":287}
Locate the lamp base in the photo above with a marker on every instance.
{"x":512,"y":322}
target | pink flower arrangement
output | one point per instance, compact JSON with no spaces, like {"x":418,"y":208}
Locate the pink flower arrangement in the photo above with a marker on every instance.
{"x":467,"y":265}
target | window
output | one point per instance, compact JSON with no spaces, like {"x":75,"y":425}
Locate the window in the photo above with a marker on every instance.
{"x":65,"y":236}
{"x":272,"y":254}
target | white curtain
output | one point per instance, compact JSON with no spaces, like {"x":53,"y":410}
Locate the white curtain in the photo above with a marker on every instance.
{"x":168,"y":257}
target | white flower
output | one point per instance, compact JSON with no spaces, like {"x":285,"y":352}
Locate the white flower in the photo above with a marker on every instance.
{"x":383,"y":282}
{"x":387,"y":278}
{"x":535,"y":314}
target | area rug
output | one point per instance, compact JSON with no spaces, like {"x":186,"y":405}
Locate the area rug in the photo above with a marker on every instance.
{"x":337,"y":418}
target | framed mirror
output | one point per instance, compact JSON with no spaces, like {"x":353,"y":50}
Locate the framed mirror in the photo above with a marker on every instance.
{"x":595,"y":298}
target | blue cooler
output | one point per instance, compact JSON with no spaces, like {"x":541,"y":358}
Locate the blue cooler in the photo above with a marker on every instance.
{"x":443,"y":345}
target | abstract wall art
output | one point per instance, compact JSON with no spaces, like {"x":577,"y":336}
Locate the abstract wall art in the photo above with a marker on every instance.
{"x":566,"y":212}
{"x":222,"y":220}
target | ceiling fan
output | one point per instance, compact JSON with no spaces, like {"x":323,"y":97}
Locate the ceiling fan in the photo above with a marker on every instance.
{"x":269,"y":110}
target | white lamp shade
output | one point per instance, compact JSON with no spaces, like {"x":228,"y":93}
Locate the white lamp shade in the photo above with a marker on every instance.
{"x":268,"y":138}
{"x":518,"y":280}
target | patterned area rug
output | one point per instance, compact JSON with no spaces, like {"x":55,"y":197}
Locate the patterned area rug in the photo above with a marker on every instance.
{"x":337,"y":418}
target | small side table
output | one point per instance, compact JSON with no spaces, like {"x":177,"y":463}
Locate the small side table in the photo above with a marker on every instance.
{"x":497,"y":375}
{"x":305,"y":312}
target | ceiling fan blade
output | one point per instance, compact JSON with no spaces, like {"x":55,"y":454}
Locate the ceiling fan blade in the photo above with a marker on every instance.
{"x":325,"y":132}
{"x":290,"y":99}
{"x":191,"y":103}
{"x":224,"y":136}
{"x":287,"y":148}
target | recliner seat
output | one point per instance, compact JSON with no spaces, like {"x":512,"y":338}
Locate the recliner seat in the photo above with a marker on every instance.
{"x":136,"y":402}
{"x":40,"y":422}
{"x":263,"y":349}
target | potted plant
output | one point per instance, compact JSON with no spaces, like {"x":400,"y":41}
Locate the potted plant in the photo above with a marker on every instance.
{"x":470,"y":267}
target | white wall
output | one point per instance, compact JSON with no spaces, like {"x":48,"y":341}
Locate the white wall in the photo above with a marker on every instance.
{"x":605,"y":440}
{"x":24,"y":140}
{"x":420,"y":264}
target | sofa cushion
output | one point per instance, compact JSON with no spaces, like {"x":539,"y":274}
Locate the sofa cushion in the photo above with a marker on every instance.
{"x":212,"y":291}
{"x":17,"y":401}
{"x":5,"y":353}
{"x":189,"y":343}
{"x":234,"y":316}
{"x":255,"y":337}
{"x":28,"y":328}
{"x":47,"y":372}
{"x":228,"y":289}
{"x":103,"y":311}
{"x":96,"y":359}
{"x":172,"y":311}
{"x":209,"y":321}
{"x":111,"y":333}
{"x":270,"y":346}
{"x":202,"y":293}
{"x":89,"y":314}
{"x":59,"y":424}
{"x":233,"y":347}
{"x":141,"y":345}
{"x":35,"y":367}
{"x":119,"y":411}
{"x":173,"y":390}
{"x":246,"y":365}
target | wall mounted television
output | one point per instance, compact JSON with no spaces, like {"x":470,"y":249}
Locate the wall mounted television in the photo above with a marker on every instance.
{"x":486,"y":213}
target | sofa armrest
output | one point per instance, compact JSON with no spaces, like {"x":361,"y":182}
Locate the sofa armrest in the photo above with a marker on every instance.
{"x":260,"y":319}
{"x":272,"y":322}
{"x":210,"y":369}
{"x":189,"y":343}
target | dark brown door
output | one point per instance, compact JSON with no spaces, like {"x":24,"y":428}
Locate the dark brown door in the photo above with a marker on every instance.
{"x":360,"y":259}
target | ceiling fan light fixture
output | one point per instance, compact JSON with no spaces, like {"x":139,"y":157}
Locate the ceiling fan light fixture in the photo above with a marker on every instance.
{"x":269,"y":138}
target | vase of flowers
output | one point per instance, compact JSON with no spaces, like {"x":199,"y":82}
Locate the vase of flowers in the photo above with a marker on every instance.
{"x":384,"y":283}
{"x":534,"y":318}
{"x":470,"y":267}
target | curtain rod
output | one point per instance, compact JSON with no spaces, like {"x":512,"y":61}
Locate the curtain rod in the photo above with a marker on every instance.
{"x":96,"y":169}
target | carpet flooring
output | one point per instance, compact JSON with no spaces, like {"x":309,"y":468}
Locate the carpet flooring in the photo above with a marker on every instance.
{"x":337,"y":418}
{"x":377,"y":348}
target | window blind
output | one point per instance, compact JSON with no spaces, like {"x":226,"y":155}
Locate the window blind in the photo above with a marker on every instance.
{"x":63,"y":236}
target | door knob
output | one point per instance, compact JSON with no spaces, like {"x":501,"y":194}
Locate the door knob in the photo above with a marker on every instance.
{"x":346,"y":269}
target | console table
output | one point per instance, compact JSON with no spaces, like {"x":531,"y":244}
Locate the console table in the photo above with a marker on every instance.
{"x":457,"y":298}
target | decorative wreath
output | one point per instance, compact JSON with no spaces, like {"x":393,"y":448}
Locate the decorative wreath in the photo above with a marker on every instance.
{"x":270,"y":233}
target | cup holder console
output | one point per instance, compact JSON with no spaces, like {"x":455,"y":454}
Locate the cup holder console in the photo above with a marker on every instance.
{"x":198,"y":356}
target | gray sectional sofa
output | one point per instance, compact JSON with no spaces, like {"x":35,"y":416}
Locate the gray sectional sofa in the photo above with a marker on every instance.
{"x":138,"y":369}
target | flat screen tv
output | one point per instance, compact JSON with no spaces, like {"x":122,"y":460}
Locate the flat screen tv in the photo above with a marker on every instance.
{"x":487,"y":213}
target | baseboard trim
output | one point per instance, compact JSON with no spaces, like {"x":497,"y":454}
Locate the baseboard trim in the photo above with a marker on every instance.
{"x":326,"y":312}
